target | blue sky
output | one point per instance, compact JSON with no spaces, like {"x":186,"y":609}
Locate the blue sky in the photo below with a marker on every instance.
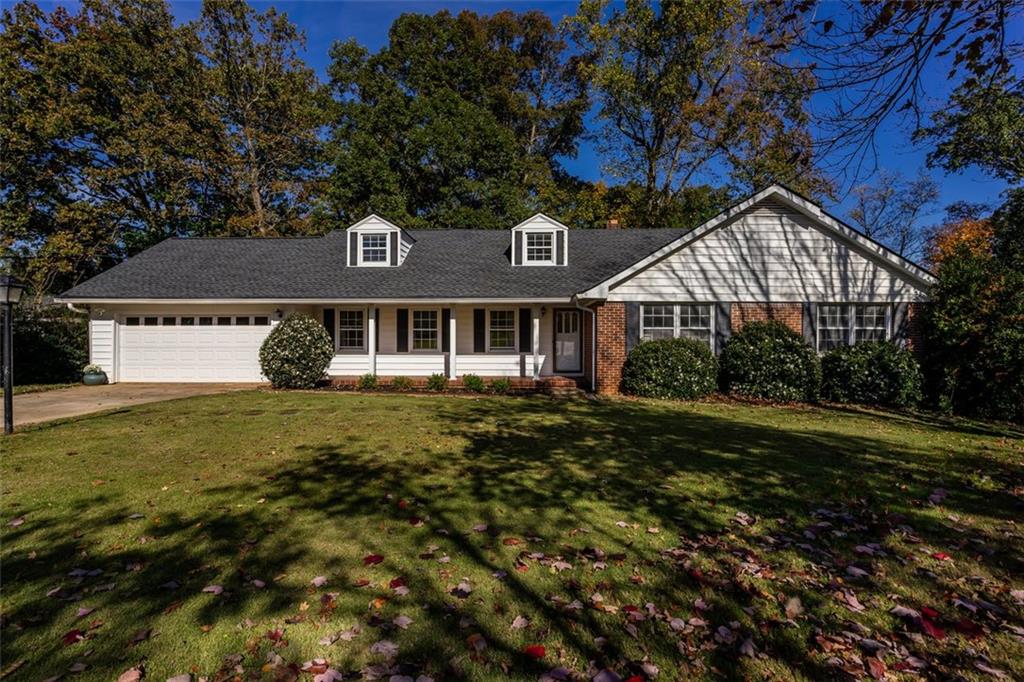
{"x":368,"y":22}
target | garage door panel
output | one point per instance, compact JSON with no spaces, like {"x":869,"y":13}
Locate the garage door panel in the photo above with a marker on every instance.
{"x":191,"y":353}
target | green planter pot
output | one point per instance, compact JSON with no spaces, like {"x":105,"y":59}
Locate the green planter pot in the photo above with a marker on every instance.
{"x":94,"y":379}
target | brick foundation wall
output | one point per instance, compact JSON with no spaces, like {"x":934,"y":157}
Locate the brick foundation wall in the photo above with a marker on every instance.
{"x":789,"y":314}
{"x":611,"y":346}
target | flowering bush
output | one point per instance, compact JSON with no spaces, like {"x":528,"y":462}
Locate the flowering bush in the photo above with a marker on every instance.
{"x":296,"y":352}
{"x":769,"y":360}
{"x":685,"y":369}
{"x":871,"y":373}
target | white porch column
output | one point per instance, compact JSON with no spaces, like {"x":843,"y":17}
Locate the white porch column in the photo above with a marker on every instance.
{"x":452,"y":344}
{"x":536,"y":342}
{"x":371,"y":338}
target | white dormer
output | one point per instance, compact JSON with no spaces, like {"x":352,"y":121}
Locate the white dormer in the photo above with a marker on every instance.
{"x":540,"y":240}
{"x":376,"y":243}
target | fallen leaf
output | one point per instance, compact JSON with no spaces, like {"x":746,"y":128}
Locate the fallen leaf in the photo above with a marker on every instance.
{"x":534,"y":651}
{"x":520,"y":623}
{"x":385,"y":648}
{"x":318,"y":581}
{"x":131,"y":675}
{"x":372,"y":559}
{"x":213,"y":589}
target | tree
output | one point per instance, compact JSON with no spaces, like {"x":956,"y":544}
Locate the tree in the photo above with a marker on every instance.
{"x":890,"y":210}
{"x":975,"y":341}
{"x":457,"y":121}
{"x":984,"y":127}
{"x":684,"y":87}
{"x":269,"y":107}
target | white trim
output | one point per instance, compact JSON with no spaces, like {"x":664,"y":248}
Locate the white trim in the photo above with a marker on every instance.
{"x":868,"y":247}
{"x":373,"y":216}
{"x":851,"y":322}
{"x":554,"y":223}
{"x":676,"y":329}
{"x":524,"y":260}
{"x":388,"y":236}
{"x":309,"y":301}
{"x":338,"y":350}
{"x":412,"y":340}
{"x":514,"y":348}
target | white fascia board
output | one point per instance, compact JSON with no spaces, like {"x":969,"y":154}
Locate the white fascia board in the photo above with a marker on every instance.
{"x":551,"y":221}
{"x":871,"y":248}
{"x":307,"y":301}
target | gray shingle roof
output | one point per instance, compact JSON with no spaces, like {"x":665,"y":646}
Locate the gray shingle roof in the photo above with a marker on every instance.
{"x":441,"y":264}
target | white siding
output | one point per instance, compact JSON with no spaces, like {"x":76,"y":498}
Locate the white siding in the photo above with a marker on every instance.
{"x":410,"y":364}
{"x":769,"y":253}
{"x":102,"y":340}
{"x":403,"y":248}
{"x":353,"y":365}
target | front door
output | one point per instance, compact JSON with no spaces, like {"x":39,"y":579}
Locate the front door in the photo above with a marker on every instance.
{"x":568,"y":345}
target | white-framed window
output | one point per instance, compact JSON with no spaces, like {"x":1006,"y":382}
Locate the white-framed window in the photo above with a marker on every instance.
{"x":844,"y":324}
{"x":425,"y":330}
{"x":351,"y":330}
{"x":679,"y":320}
{"x":374,"y":249}
{"x":501,"y":330}
{"x":539,"y":247}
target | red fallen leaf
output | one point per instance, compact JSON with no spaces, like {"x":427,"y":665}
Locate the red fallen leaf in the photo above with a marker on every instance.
{"x":415,"y":521}
{"x":522,"y":568}
{"x":968,"y":628}
{"x":876,"y":668}
{"x":534,"y":651}
{"x":696,"y":574}
{"x":402,"y":504}
{"x":275,"y":635}
{"x":362,"y":582}
{"x":929,"y":612}
{"x":372,"y":559}
{"x":511,"y":542}
{"x":634,"y":678}
{"x":72,"y":637}
{"x":931,"y":629}
{"x":397,"y":582}
{"x":942,"y":556}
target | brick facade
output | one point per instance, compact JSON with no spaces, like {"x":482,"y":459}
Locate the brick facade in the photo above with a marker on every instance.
{"x":611,"y":346}
{"x":789,"y":314}
{"x":915,"y":328}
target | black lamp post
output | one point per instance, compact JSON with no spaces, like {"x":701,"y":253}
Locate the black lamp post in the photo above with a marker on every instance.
{"x":10,"y":294}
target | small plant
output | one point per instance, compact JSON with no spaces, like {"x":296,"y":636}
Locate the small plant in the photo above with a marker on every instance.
{"x":296,"y":352}
{"x":437,"y":382}
{"x":367,"y":382}
{"x":771,"y":361}
{"x":684,"y":369}
{"x":501,"y":386}
{"x":401,"y":384}
{"x":473,"y":383}
{"x":871,"y":373}
{"x":92,"y":369}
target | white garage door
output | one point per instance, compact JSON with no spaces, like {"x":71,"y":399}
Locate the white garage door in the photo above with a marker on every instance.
{"x":191,"y":347}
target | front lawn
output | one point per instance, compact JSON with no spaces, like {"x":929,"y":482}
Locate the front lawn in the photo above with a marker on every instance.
{"x":37,"y":388}
{"x":248,"y":533}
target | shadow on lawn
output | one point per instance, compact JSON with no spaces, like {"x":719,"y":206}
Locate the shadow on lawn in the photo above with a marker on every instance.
{"x":552,"y":462}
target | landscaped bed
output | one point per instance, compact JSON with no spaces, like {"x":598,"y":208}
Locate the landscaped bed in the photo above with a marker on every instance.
{"x":247,"y":534}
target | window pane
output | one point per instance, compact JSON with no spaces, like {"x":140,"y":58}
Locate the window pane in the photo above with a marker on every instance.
{"x":131,"y":321}
{"x":170,"y":321}
{"x":205,"y":321}
{"x":223,"y":321}
{"x":375,"y":248}
{"x":833,"y":327}
{"x":350,"y":329}
{"x":188,"y":321}
{"x":695,"y":317}
{"x":539,"y":247}
{"x":658,"y":321}
{"x":424,"y":330}
{"x":261,"y":321}
{"x":503,"y":329}
{"x":150,"y":321}
{"x":242,"y":321}
{"x":869,"y":323}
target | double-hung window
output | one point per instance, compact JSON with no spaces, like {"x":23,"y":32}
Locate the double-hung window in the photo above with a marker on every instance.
{"x":350,"y":330}
{"x":374,"y":248}
{"x":683,"y":320}
{"x":540,"y":247}
{"x":502,"y":334}
{"x":424,"y":330}
{"x":845,"y":324}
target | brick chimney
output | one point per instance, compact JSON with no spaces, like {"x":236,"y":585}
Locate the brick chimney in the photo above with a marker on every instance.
{"x":614,"y":224}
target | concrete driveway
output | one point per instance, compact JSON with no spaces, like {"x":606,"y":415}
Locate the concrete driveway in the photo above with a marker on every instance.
{"x":32,"y":408}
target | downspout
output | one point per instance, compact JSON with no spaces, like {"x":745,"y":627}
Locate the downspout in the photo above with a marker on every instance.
{"x":593,"y":343}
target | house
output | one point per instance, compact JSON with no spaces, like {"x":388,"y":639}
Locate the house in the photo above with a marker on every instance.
{"x":536,"y":301}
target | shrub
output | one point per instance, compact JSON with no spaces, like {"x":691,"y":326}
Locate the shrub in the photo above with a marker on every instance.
{"x":437,"y":382}
{"x":367,"y":382}
{"x":50,"y":344}
{"x":871,"y":373}
{"x":769,"y":360}
{"x":296,"y":352}
{"x":92,"y":369}
{"x":685,"y":369}
{"x":501,"y":386}
{"x":401,"y":383}
{"x":473,"y":383}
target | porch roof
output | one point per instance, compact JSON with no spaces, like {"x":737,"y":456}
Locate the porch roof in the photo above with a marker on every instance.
{"x":443,"y":264}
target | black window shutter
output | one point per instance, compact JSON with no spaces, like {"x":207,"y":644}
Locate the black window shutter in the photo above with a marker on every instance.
{"x":329,"y":323}
{"x":353,"y":248}
{"x":446,"y":316}
{"x":517,"y":249}
{"x":900,"y":323}
{"x":810,"y":324}
{"x":402,"y":326}
{"x":525,"y":331}
{"x":376,"y":328}
{"x":479,"y":330}
{"x":394,"y":248}
{"x":723,"y":325}
{"x":560,"y":247}
{"x":632,"y":325}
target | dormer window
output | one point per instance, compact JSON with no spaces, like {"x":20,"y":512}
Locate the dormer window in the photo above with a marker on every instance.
{"x":374,"y":249}
{"x":540,"y":248}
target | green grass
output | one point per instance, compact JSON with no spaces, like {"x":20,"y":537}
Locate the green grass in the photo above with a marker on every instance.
{"x":37,"y":388}
{"x":284,"y":487}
